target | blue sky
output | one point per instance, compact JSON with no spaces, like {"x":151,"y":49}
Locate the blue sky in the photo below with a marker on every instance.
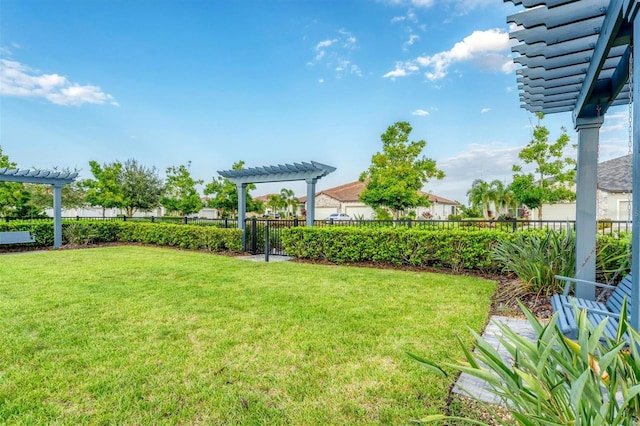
{"x":268,"y":82}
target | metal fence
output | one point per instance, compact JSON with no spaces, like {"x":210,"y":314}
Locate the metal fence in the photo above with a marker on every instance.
{"x":264,"y":236}
{"x":604,"y":226}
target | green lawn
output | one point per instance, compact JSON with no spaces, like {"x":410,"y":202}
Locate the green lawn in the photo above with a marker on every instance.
{"x":144,"y":335}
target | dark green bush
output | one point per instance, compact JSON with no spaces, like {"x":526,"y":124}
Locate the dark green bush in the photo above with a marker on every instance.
{"x":99,"y":231}
{"x":454,"y":249}
{"x":183,"y":236}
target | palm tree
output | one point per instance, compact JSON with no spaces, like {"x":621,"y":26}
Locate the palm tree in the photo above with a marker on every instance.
{"x":498,"y":192}
{"x":291,"y":202}
{"x":276,"y":202}
{"x":480,"y":196}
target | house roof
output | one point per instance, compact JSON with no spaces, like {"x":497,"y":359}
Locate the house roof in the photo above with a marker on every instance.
{"x":350,"y":192}
{"x":615,"y":175}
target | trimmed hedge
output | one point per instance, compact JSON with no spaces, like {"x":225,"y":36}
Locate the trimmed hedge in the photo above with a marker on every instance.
{"x":183,"y":236}
{"x":453,"y":249}
{"x":457,"y":250}
{"x":98,"y":231}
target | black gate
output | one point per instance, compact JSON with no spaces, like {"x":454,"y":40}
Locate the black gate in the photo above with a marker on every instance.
{"x":265,"y":235}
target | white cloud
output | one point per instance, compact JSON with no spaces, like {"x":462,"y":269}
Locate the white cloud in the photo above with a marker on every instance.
{"x":412,"y":39}
{"x":422,"y":3}
{"x":398,"y":72}
{"x":335,"y":54}
{"x":420,"y":112}
{"x":20,"y":80}
{"x":486,"y":50}
{"x":321,"y":80}
{"x":325,"y":43}
{"x":484,"y":110}
{"x":479,"y":161}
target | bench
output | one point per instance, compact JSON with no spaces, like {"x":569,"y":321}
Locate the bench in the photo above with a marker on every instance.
{"x":596,"y":311}
{"x":16,"y":237}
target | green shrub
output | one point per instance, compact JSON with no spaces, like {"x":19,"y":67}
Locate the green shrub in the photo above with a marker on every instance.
{"x":454,"y":249}
{"x":594,"y":380}
{"x":183,"y":236}
{"x":613,"y":260}
{"x":536,"y":259}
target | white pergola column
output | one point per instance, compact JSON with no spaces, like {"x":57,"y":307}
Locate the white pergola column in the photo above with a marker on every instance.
{"x":586,"y":204}
{"x":311,"y":201}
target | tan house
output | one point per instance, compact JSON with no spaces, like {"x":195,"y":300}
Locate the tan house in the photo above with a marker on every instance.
{"x":345,"y":199}
{"x":613,"y":196}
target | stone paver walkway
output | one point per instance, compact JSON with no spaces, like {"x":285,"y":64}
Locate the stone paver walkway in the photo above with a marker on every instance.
{"x":471,"y":386}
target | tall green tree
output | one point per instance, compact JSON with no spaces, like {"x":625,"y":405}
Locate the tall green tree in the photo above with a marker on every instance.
{"x":276,"y":202}
{"x":15,"y":197}
{"x":181,"y":195}
{"x":142,"y":187}
{"x":480,"y":196}
{"x":224,"y":195}
{"x":105,"y":189}
{"x":397,"y":175}
{"x":502,"y":197}
{"x":290,"y":200}
{"x":73,"y":194}
{"x":554,"y":172}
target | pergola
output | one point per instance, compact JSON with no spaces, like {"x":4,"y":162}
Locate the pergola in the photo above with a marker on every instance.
{"x":309,"y":172}
{"x":45,"y":177}
{"x":576,"y":55}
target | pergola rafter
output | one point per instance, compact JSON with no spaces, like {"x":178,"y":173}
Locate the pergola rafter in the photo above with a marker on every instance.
{"x":44,"y":177}
{"x":576,"y":56}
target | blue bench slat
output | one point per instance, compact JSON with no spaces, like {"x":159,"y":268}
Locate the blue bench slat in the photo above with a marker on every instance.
{"x":16,"y":237}
{"x":565,"y":306}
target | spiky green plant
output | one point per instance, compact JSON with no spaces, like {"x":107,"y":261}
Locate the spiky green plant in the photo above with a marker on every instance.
{"x":536,"y":259}
{"x":594,"y":380}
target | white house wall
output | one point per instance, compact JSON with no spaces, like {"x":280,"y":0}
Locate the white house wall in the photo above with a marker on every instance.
{"x":610,"y":206}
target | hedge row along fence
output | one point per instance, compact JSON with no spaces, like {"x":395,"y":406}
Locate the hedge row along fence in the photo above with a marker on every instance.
{"x":457,"y":250}
{"x":87,"y":232}
{"x":453,"y":249}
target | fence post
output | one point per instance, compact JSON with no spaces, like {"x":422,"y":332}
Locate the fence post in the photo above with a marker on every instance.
{"x":184,"y":220}
{"x":266,"y":242}
{"x":515,"y":224}
{"x":226,"y":222}
{"x":152,"y":219}
{"x":124,"y":218}
{"x":295,"y":221}
{"x":254,"y":235}
{"x":409,"y":223}
{"x":77,"y":218}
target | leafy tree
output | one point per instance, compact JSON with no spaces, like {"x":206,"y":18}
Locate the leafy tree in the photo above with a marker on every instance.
{"x":181,"y":194}
{"x":276,"y":202}
{"x":142,"y":187}
{"x":73,"y":194}
{"x":105,"y":190}
{"x":502,"y":197}
{"x":554,"y":172}
{"x":398,"y":173}
{"x":225,"y":195}
{"x":15,"y":197}
{"x":480,"y":196}
{"x":290,"y":200}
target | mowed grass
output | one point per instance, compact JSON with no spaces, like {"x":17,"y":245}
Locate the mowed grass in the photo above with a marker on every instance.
{"x":145,"y":335}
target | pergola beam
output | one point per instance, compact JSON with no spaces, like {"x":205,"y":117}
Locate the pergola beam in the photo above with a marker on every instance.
{"x":611,"y":25}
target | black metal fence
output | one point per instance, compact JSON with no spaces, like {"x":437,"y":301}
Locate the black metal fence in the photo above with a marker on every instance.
{"x":264,"y":236}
